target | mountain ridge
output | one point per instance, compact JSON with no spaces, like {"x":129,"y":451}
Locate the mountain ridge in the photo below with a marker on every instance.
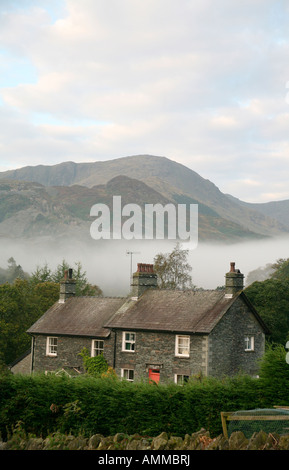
{"x":29,"y":209}
{"x":170,"y":180}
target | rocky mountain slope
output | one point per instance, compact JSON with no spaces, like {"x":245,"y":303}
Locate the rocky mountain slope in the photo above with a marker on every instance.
{"x":50,"y":199}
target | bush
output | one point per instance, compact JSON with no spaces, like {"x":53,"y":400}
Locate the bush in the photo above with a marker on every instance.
{"x":93,"y":365}
{"x":274,"y":374}
{"x":91,"y":405}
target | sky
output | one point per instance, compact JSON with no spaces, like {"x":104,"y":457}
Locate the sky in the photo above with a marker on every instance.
{"x":202,"y":82}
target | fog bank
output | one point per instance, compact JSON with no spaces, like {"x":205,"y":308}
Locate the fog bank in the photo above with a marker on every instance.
{"x":108,"y":265}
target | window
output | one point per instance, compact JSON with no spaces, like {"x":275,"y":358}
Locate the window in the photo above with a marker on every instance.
{"x":127,"y":374}
{"x":249,"y":343}
{"x":51,"y":346}
{"x":182,"y":346}
{"x":181,"y":379}
{"x":97,"y":347}
{"x":128,"y":341}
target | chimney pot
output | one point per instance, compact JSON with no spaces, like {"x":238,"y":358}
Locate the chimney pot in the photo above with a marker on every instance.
{"x":145,"y":268}
{"x":234,"y":281}
{"x":143,"y":279}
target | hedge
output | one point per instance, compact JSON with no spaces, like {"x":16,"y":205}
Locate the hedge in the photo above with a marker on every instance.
{"x":45,"y":404}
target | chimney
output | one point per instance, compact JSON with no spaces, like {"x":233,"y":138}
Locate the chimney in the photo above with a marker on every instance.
{"x":145,"y":278}
{"x":234,"y":281}
{"x":67,"y":286}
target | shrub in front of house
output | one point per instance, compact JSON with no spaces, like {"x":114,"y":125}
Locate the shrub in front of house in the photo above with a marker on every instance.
{"x":90,"y":405}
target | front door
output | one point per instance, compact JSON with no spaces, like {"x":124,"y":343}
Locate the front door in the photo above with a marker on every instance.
{"x":154,"y":375}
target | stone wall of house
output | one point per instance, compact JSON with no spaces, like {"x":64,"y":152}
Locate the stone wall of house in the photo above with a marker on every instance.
{"x":226,"y":347}
{"x":152,"y":350}
{"x":68,"y":349}
{"x":156,"y":350}
{"x":23,"y":366}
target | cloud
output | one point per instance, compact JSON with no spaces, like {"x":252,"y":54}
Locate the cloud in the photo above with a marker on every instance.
{"x":203,"y":83}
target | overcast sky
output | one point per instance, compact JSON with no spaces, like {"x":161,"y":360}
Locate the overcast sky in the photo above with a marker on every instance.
{"x":202,"y":82}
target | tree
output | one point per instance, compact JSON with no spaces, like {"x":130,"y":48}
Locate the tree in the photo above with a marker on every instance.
{"x":12,"y":272}
{"x":271,"y":300}
{"x":21,"y":304}
{"x":274,"y":368}
{"x":24,"y":301}
{"x":173,"y":269}
{"x":281,"y":269}
{"x":277,"y":270}
{"x":42,"y":274}
{"x":47,"y":294}
{"x":260,"y":274}
{"x":83,"y":287}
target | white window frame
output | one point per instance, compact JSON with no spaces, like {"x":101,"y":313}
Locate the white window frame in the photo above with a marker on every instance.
{"x":97,"y":347}
{"x":182,"y":350}
{"x":127,"y":374}
{"x":128,"y":341}
{"x":179,"y":379}
{"x":51,"y":346}
{"x":249,"y":343}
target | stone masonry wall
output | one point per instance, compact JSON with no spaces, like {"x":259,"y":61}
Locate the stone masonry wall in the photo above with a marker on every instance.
{"x":23,"y":366}
{"x":156,"y":350}
{"x":68,"y":349}
{"x":199,"y":440}
{"x":227,"y":353}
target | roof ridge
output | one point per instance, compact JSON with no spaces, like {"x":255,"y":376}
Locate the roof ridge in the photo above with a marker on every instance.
{"x":99,"y":297}
{"x":228,"y":303}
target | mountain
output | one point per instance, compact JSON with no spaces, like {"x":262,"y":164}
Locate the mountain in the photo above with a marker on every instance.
{"x":278,"y":210}
{"x":64,"y":194}
{"x":31,"y":209}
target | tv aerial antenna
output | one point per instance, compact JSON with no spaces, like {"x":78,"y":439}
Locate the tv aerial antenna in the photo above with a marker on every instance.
{"x":131,"y":253}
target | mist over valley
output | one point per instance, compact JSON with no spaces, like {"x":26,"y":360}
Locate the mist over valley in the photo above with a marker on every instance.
{"x":45,"y":219}
{"x":108,"y":265}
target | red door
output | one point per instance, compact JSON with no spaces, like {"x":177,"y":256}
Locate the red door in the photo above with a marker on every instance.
{"x":154,"y":375}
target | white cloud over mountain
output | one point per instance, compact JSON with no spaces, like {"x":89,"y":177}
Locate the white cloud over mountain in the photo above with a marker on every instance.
{"x":202,"y":83}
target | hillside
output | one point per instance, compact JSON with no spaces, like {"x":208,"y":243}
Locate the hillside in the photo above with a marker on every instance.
{"x":164,"y":178}
{"x":279,"y":210}
{"x":31,"y":209}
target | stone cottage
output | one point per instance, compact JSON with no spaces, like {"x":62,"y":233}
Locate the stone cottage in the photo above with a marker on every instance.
{"x":161,"y":335}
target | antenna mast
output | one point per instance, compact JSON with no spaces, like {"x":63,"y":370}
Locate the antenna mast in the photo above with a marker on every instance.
{"x":131,"y":253}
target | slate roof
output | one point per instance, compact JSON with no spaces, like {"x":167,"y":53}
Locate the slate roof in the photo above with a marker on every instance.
{"x":155,"y":310}
{"x":81,"y":316}
{"x":165,"y":310}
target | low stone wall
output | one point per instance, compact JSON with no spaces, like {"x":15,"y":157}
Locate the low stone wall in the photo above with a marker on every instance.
{"x":200,"y":440}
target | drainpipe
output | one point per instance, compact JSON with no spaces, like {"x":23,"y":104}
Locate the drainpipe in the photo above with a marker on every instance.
{"x":114,"y":350}
{"x":32,"y":354}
